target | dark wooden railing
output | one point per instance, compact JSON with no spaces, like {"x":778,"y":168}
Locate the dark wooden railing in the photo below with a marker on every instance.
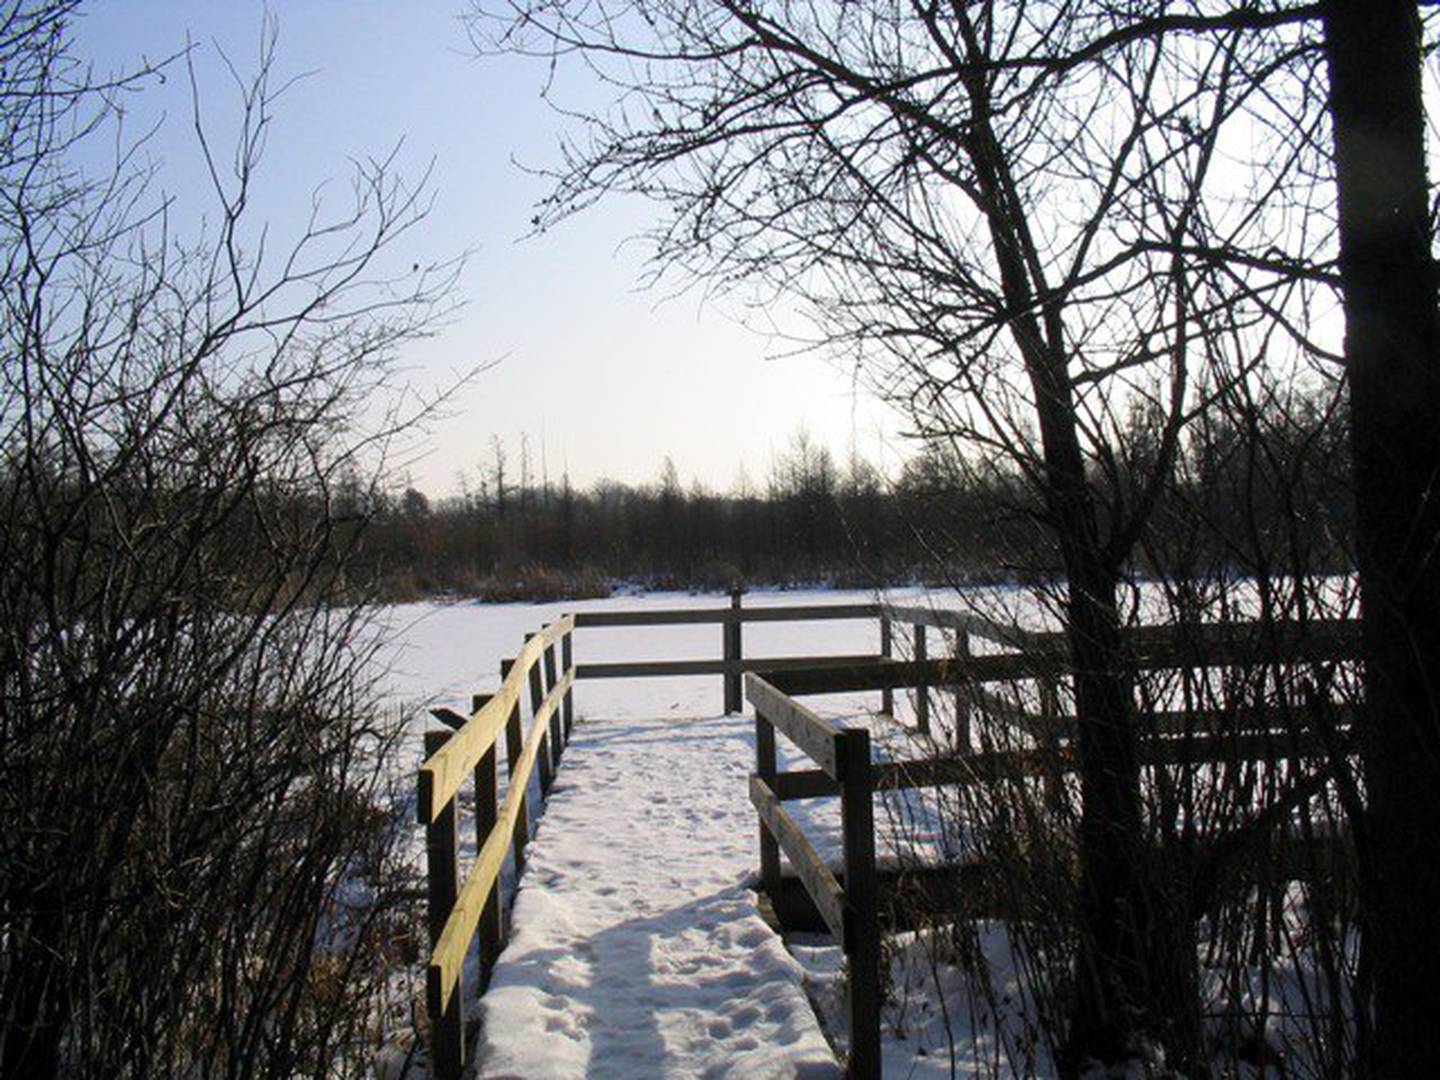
{"x":843,"y":757}
{"x":732,"y":663}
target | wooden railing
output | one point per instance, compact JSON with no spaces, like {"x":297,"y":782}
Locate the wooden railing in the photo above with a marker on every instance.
{"x":843,"y":757}
{"x":842,"y":766}
{"x":458,"y":910}
{"x":732,"y":663}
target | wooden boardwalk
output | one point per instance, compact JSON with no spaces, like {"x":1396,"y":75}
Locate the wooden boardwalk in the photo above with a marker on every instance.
{"x":636,"y":949}
{"x":635,"y":945}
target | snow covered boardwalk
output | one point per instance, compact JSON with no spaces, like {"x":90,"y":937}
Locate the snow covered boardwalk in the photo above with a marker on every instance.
{"x":636,"y":949}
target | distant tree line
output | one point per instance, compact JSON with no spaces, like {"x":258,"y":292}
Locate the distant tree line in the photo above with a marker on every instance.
{"x":946,"y":517}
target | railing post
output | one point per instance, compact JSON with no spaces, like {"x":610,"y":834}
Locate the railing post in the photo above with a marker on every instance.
{"x":765,"y":769}
{"x":732,"y":644}
{"x":862,"y":923}
{"x":887,"y":650}
{"x":557,"y":721}
{"x":537,"y":698}
{"x":567,"y":664}
{"x":962,"y":702}
{"x":922,"y":690}
{"x":514,"y":745}
{"x":447,"y":1040}
{"x":487,"y":794}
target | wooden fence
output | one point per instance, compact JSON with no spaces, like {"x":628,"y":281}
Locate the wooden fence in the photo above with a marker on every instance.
{"x":458,"y":910}
{"x":842,"y":764}
{"x":841,"y":759}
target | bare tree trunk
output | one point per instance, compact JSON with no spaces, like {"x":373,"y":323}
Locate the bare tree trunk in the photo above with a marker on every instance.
{"x":1392,"y":349}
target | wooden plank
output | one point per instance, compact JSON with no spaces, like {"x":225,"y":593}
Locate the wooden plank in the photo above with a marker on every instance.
{"x":537,"y":696}
{"x":447,"y":1044}
{"x":442,"y":853}
{"x":557,"y":729}
{"x":628,"y":669}
{"x":810,"y":613}
{"x":662,"y":617}
{"x":442,"y":773}
{"x":819,"y":882}
{"x":887,"y":651}
{"x":732,"y":650}
{"x":803,"y":784}
{"x":633,"y":669}
{"x":922,"y":691}
{"x":1009,"y":635}
{"x":812,"y":733}
{"x":765,"y":769}
{"x":447,"y":1029}
{"x":764,"y":664}
{"x":673,"y":616}
{"x":879,"y":674}
{"x":448,"y":957}
{"x":514,"y":747}
{"x":567,"y":665}
{"x":445,"y":771}
{"x":492,"y":926}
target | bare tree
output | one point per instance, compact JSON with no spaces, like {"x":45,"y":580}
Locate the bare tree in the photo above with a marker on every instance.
{"x":1392,"y":352}
{"x":198,"y":871}
{"x":1018,"y":220}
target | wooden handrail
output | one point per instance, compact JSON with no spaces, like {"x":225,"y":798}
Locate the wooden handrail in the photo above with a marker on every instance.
{"x":819,"y":880}
{"x":851,"y":913}
{"x":811,"y":732}
{"x":459,"y":910}
{"x":443,"y":773}
{"x":448,"y":956}
{"x":674,"y":616}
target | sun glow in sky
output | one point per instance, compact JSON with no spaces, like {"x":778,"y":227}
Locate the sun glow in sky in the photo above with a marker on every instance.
{"x":600,"y":377}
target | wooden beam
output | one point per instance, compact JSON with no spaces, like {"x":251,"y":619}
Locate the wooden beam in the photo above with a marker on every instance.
{"x":443,"y":772}
{"x":446,"y":769}
{"x":812,"y":733}
{"x":819,"y":882}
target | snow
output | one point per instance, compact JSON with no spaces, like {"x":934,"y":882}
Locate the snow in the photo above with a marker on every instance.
{"x":637,"y":948}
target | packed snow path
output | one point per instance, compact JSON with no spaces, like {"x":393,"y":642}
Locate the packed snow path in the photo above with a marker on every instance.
{"x":636,"y":949}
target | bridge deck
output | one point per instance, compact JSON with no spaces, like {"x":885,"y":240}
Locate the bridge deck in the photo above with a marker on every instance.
{"x":636,"y":949}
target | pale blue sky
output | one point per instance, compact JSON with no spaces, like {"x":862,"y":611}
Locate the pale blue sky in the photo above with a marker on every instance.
{"x":612,"y":378}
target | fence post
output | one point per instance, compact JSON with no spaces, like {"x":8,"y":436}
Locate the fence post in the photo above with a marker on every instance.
{"x":447,"y":1037}
{"x":922,"y":689}
{"x":732,"y":649}
{"x":862,"y":925}
{"x":487,"y":793}
{"x":567,"y":665}
{"x":537,"y":697}
{"x":962,"y":702}
{"x":557,"y":729}
{"x":514,"y":744}
{"x":765,"y":769}
{"x":887,"y":649}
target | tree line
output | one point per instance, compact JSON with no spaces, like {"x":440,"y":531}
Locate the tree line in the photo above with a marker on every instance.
{"x":944,"y":518}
